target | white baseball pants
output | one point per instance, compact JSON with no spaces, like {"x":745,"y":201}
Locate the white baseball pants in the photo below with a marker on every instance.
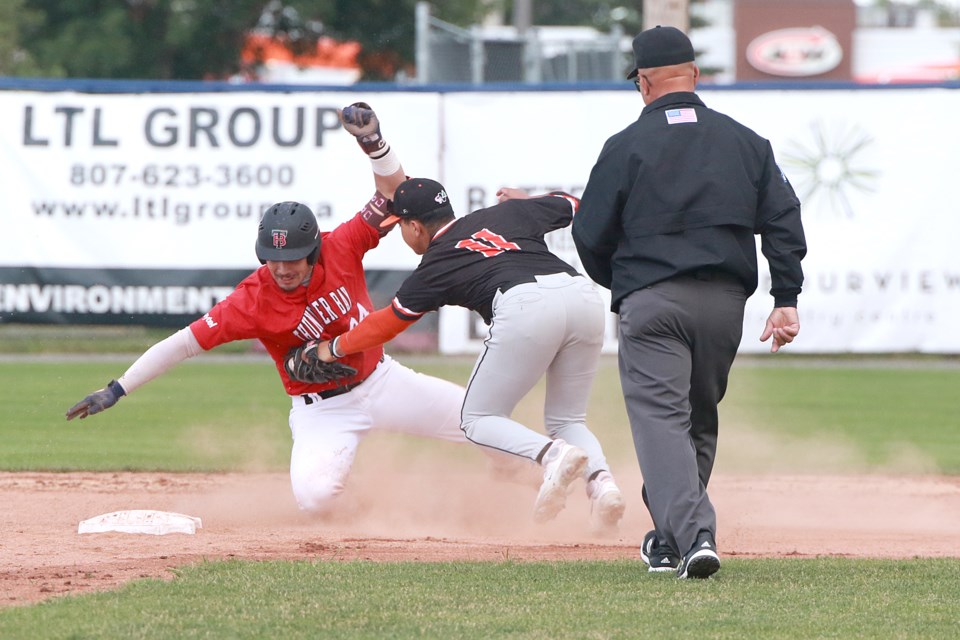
{"x":326,"y":433}
{"x":555,"y":327}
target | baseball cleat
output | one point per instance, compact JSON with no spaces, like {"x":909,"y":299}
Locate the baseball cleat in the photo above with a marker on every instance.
{"x":702,"y":560}
{"x":657,"y":558}
{"x":562,"y":464}
{"x":606,"y":504}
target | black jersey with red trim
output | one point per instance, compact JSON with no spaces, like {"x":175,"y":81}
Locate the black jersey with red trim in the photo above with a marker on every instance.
{"x":494,"y":248}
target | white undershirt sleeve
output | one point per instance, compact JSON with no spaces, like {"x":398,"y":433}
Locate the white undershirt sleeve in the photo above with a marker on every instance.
{"x":160,"y":357}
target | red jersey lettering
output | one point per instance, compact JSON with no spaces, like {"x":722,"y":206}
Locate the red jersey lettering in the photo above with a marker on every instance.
{"x":334,"y":300}
{"x":319,"y":314}
{"x":488,"y":243}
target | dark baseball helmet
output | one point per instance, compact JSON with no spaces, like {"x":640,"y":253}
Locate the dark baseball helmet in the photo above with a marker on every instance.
{"x":288,"y":231}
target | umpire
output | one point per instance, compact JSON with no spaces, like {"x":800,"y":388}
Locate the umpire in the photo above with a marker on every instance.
{"x":667,"y":222}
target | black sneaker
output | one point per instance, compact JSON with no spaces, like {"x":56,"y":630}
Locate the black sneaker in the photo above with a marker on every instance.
{"x":658,"y":559}
{"x":702,"y":560}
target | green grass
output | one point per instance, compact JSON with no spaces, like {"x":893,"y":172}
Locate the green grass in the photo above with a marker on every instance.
{"x":855,"y":418}
{"x":89,"y":339}
{"x":823,"y":598}
{"x":205,"y":413}
{"x":200,"y":416}
{"x":782,"y":413}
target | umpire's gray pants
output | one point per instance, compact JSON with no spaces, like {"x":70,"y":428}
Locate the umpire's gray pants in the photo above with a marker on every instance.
{"x":677,"y":342}
{"x":553,"y":326}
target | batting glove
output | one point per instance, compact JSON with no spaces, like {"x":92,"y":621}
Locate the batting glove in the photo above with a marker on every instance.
{"x":361,"y":122}
{"x":97,"y":401}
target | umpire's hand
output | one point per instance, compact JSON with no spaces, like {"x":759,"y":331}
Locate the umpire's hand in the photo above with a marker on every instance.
{"x":783,"y":325}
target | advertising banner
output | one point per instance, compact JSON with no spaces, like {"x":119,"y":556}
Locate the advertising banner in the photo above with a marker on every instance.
{"x":113,"y":202}
{"x":143,"y":208}
{"x":875,"y":171}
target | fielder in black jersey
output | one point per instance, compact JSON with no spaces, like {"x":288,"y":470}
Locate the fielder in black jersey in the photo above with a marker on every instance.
{"x":544,"y":319}
{"x":458,"y":269}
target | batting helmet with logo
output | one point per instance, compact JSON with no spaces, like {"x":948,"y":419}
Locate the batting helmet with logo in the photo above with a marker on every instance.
{"x":288,"y":231}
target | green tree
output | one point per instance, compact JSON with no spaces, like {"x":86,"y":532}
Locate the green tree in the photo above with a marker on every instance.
{"x":15,"y":19}
{"x":195,"y":39}
{"x":155,"y":39}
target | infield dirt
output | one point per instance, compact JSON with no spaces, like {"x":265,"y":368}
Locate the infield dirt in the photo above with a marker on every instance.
{"x":436,"y":514}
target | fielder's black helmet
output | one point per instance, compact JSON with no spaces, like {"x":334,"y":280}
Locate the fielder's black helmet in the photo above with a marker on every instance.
{"x":288,"y":231}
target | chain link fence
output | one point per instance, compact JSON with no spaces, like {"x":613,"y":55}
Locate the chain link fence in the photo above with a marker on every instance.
{"x":447,"y":53}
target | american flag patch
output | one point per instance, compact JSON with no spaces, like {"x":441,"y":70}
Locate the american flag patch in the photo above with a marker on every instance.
{"x":676,"y":116}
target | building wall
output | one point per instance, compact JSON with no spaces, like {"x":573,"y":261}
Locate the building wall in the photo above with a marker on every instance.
{"x":874,"y":48}
{"x":797,"y":39}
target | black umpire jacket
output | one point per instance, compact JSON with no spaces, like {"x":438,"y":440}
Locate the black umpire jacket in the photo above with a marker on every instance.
{"x":684,"y":189}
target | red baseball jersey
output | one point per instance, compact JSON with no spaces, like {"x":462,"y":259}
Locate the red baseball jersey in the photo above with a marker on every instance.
{"x":334,"y":301}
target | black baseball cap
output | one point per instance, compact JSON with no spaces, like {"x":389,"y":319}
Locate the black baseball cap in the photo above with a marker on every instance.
{"x":419,"y":199}
{"x":660,"y":47}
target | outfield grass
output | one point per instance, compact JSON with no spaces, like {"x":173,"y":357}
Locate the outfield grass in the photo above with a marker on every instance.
{"x":200,"y":416}
{"x":205,"y":413}
{"x":886,"y":418}
{"x":94,"y":340}
{"x":231,"y":414}
{"x":795,"y":599}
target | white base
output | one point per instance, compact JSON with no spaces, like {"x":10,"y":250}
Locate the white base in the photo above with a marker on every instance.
{"x":147,"y":521}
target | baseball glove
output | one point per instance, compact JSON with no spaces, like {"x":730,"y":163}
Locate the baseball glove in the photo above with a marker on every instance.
{"x":360,"y":121}
{"x":302,"y":364}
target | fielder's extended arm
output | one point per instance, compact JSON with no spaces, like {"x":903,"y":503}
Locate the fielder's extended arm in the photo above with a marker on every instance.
{"x":377,"y":328}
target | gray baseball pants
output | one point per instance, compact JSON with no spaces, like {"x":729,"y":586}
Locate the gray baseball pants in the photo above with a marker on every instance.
{"x":551,"y":327}
{"x":678,"y":340}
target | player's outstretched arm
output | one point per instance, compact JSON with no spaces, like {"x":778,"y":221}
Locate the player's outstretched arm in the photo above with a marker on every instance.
{"x":99,"y":400}
{"x":782,"y":325}
{"x":155,"y":361}
{"x":360,"y":120}
{"x":387,"y":184}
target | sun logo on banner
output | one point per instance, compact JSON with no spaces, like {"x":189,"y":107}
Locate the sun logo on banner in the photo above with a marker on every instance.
{"x":829,"y":171}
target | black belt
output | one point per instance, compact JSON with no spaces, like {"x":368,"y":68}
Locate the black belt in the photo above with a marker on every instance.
{"x":326,"y":394}
{"x":531,"y":278}
{"x":513,"y":283}
{"x":331,"y":393}
{"x":709,"y":275}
